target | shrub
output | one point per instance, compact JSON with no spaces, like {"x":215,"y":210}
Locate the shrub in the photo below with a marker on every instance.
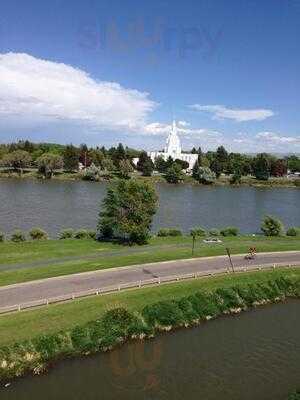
{"x":295,"y":396}
{"x":18,"y":236}
{"x":2,"y":237}
{"x":81,"y":234}
{"x":236,"y":179}
{"x":214,"y":232}
{"x":91,"y":234}
{"x":91,"y":173}
{"x":229,"y":231}
{"x":163,"y":314}
{"x":198,"y":232}
{"x":38,"y":234}
{"x":66,"y":234}
{"x":272,"y":226}
{"x":120,"y":324}
{"x":169,"y":232}
{"x":205,"y":175}
{"x":297,"y":182}
{"x":293,"y":231}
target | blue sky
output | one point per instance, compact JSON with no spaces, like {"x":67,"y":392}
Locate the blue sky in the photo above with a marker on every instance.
{"x":101,"y":72}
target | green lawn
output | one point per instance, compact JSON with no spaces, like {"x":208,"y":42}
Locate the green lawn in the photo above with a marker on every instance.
{"x":16,"y":327}
{"x":87,"y":255}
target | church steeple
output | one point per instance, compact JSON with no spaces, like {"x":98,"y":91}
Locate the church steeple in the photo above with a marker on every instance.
{"x":173,"y":147}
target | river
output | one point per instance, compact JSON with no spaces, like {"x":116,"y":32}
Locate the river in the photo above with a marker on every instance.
{"x":253,"y":356}
{"x":54,"y":205}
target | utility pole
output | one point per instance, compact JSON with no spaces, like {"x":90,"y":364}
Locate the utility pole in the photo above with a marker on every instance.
{"x":229,"y":256}
{"x":193,"y":244}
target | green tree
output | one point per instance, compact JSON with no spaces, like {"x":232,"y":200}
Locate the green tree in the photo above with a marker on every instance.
{"x":127,"y":211}
{"x":293,"y":163}
{"x":261,"y":166}
{"x":107,"y":164}
{"x":183,"y":164}
{"x":160,"y":164}
{"x":125,"y":168}
{"x":71,"y":158}
{"x":145,"y":164}
{"x":118,"y":154}
{"x":18,"y":160}
{"x":205,"y":175}
{"x":48,"y":163}
{"x":222,"y":155}
{"x":174,"y":174}
{"x":217,"y":167}
{"x":272,"y":226}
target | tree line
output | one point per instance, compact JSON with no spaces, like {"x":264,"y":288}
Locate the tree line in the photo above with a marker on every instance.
{"x":98,"y":161}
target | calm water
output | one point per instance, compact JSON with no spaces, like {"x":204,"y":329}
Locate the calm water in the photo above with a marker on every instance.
{"x":255,"y":356}
{"x":55,"y":205}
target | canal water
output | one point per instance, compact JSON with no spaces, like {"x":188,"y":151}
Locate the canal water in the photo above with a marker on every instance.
{"x":54,"y":205}
{"x":253,"y":356}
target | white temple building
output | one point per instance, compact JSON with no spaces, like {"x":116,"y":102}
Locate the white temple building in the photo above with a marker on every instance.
{"x":173,"y":149}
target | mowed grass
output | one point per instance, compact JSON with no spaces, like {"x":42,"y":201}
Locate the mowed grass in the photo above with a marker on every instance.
{"x":24,"y":325}
{"x":89,"y":255}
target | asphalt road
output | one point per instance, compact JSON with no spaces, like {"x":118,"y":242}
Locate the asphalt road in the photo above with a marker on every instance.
{"x":72,"y":284}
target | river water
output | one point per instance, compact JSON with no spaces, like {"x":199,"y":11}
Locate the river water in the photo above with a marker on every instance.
{"x":253,"y":356}
{"x":54,"y":205}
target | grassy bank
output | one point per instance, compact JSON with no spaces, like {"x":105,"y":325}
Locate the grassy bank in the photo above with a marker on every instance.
{"x":30,"y":340}
{"x":156,"y":178}
{"x":21,"y":262}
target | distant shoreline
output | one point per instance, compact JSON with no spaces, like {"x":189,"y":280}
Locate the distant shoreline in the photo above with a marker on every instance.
{"x":222,"y":181}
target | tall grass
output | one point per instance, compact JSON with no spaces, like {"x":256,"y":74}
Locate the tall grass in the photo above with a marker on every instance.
{"x":118,"y":325}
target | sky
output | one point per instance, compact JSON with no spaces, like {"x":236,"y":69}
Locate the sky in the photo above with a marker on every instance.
{"x":104,"y":72}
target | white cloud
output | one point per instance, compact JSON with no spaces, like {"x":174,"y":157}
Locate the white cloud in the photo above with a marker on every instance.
{"x":34,"y":92}
{"x":183,"y":123}
{"x":274,"y":138}
{"x":239,"y":115}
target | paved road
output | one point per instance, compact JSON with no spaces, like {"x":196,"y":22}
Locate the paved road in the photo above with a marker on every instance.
{"x":72,"y":284}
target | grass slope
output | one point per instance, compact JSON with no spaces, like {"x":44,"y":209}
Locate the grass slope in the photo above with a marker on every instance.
{"x":17,"y":327}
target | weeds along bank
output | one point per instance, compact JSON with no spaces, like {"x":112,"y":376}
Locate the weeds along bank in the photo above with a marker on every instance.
{"x":118,"y":325}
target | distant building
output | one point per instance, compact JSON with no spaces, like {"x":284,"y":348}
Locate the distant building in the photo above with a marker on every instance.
{"x":173,"y":149}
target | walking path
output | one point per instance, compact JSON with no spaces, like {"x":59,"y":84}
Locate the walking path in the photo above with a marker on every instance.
{"x":36,"y":291}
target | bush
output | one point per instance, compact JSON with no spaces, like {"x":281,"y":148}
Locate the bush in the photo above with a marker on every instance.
{"x":38,"y":234}
{"x":229,"y":231}
{"x":214,"y":232}
{"x":66,"y":234}
{"x":91,"y":234}
{"x":272,"y":226}
{"x":120,"y":324}
{"x":163,"y":314}
{"x":18,"y":236}
{"x":297,"y":182}
{"x":2,"y":237}
{"x":293,"y":231}
{"x":236,"y":179}
{"x":295,"y":396}
{"x":205,"y":175}
{"x":81,"y":234}
{"x":198,"y":232}
{"x":169,"y":232}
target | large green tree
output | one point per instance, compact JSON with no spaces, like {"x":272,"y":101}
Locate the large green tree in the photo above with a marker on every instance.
{"x":48,"y":163}
{"x":145,"y":164}
{"x":261,"y":166}
{"x":71,"y":158}
{"x":125,"y":169}
{"x":18,"y":160}
{"x":127,"y":211}
{"x":174,"y":174}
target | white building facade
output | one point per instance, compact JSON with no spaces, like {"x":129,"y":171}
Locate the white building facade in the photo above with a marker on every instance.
{"x":173,"y":149}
